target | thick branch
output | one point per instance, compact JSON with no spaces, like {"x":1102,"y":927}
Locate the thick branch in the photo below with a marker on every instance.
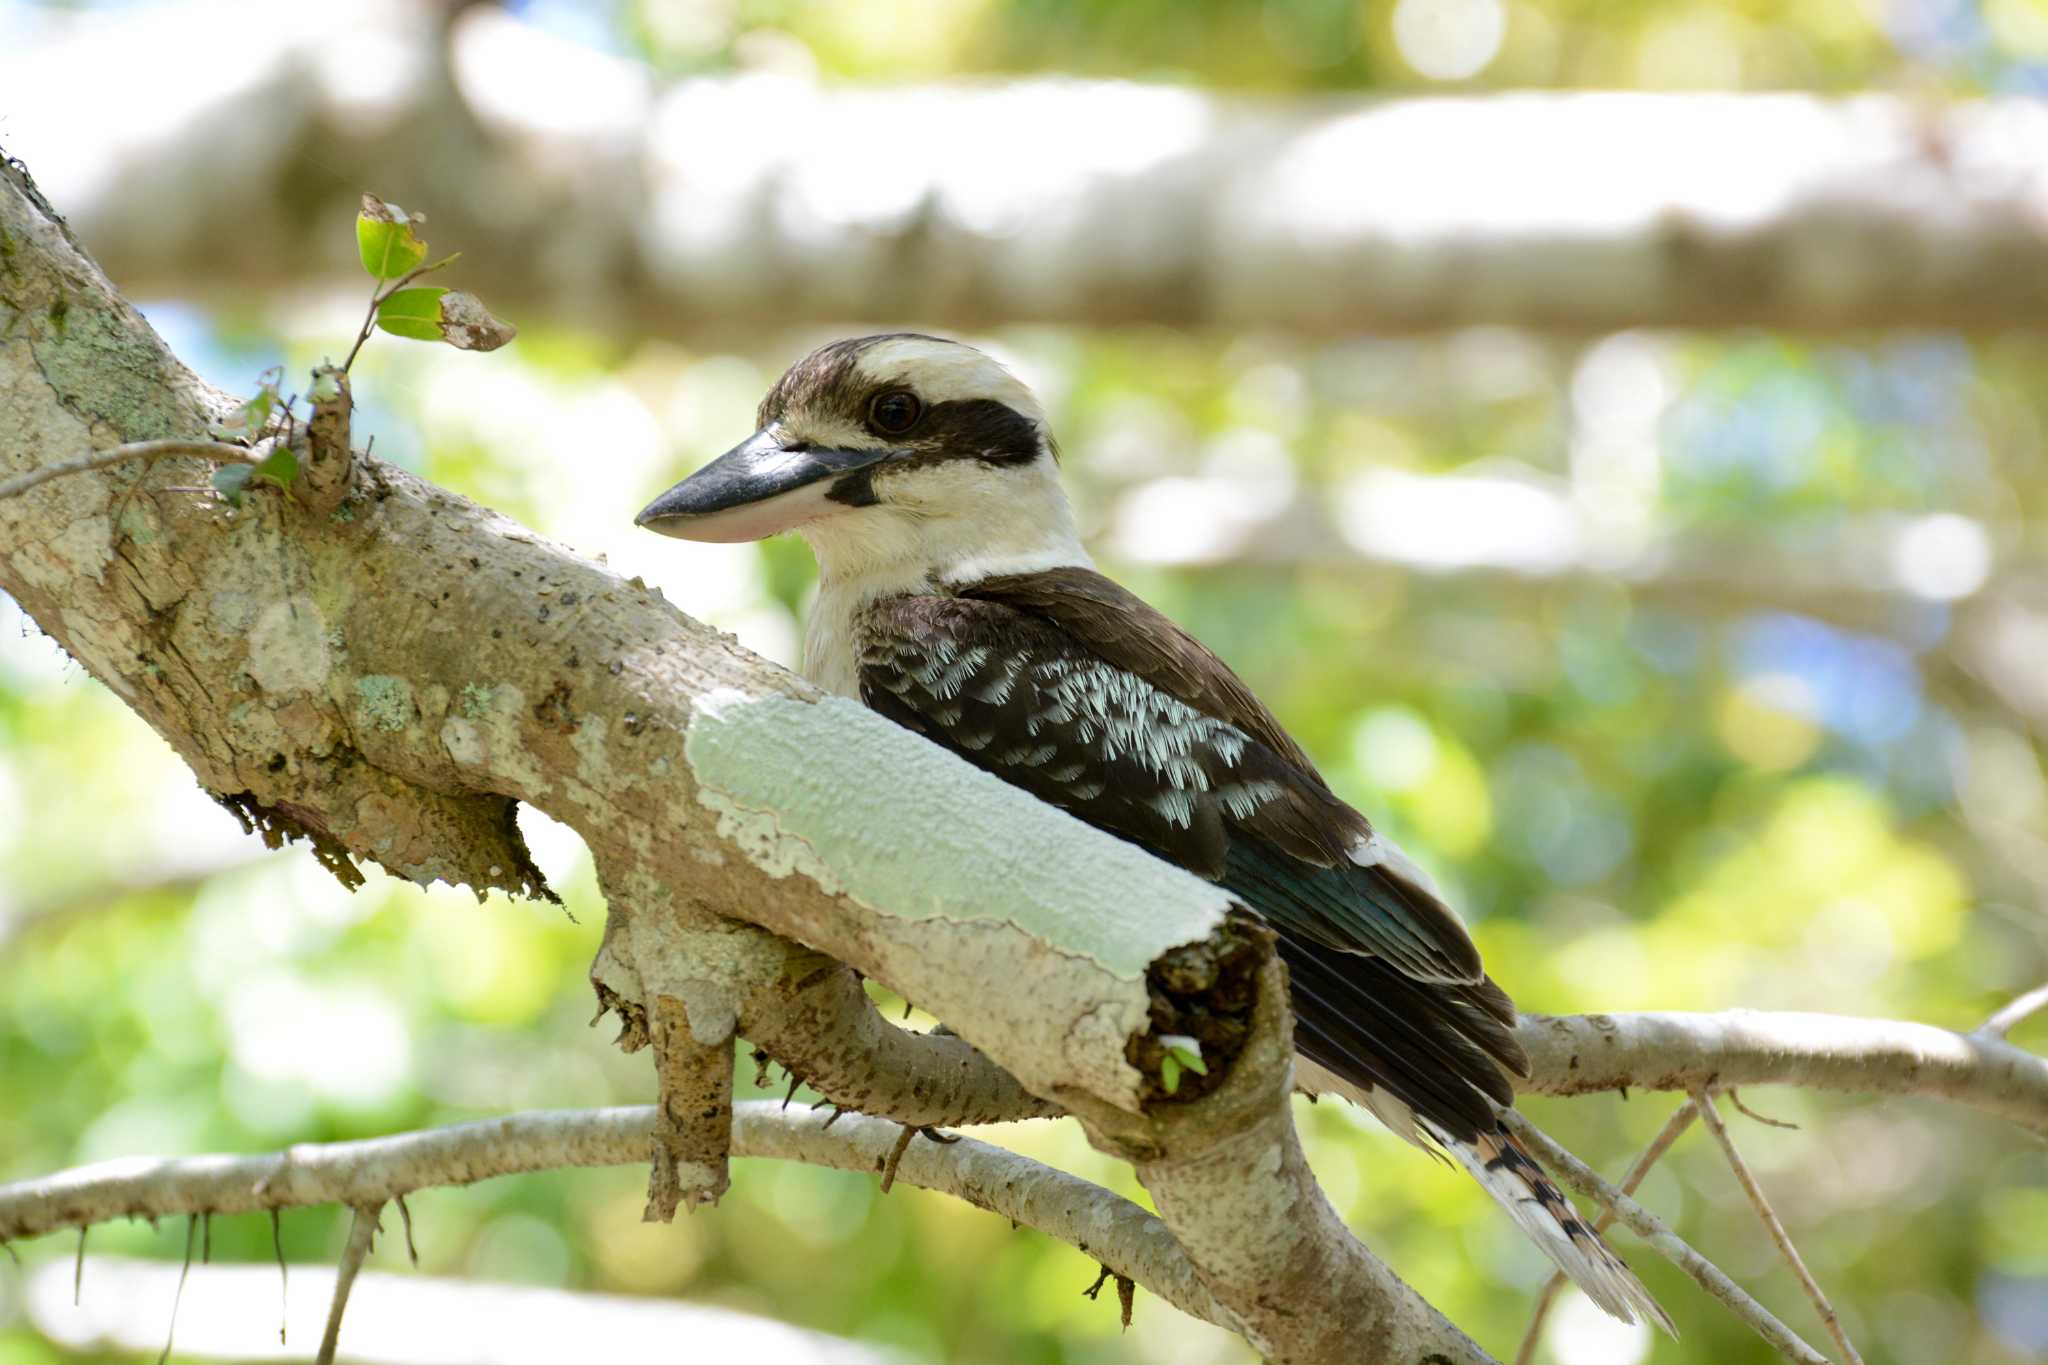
{"x":590,"y":197}
{"x":364,"y":1174}
{"x":389,"y":677}
{"x":1235,"y":1187}
{"x":1583,"y":1054}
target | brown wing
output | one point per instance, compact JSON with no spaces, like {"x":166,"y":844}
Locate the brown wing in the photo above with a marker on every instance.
{"x":1120,"y":627}
{"x":1388,"y":988}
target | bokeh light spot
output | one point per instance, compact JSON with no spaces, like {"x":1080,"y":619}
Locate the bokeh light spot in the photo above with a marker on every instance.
{"x":1767,"y":721}
{"x":1448,"y":40}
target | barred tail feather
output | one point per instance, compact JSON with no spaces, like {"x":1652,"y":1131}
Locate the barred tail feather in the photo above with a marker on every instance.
{"x":1508,"y":1173}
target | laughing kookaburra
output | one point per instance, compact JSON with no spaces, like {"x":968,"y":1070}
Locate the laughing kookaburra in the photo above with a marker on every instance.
{"x":956,"y":600}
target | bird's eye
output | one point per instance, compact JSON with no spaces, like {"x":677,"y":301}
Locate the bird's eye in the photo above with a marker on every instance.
{"x":895,"y":412}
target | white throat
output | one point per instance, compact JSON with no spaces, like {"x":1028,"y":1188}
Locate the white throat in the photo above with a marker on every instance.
{"x":939,"y":529}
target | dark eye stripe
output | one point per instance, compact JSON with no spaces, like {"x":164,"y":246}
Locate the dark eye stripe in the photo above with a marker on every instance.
{"x":978,"y":429}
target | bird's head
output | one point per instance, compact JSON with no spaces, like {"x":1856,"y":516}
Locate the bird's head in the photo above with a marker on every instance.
{"x":899,"y":450}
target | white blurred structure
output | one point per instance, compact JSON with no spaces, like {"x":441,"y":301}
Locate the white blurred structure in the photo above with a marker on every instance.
{"x":230,"y":1312}
{"x":579,"y":186}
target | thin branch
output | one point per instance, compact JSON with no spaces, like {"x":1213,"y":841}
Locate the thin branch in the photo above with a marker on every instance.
{"x":177,"y":1298}
{"x":1735,"y":1098}
{"x":362,"y":1231}
{"x":363,"y":1174}
{"x":405,"y":1216}
{"x":1579,"y":1054}
{"x":1680,"y":1120}
{"x":1667,"y":1243}
{"x":2009,"y":1018}
{"x":895,"y":1157}
{"x":1772,"y":1225}
{"x":220,"y":452}
{"x":377,"y":298}
{"x":283,"y":1274}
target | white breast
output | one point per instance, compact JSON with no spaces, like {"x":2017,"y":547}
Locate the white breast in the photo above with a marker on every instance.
{"x":832,"y":645}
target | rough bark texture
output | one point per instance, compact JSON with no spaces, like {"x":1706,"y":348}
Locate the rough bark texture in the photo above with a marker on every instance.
{"x":384,"y":669}
{"x":592,"y":193}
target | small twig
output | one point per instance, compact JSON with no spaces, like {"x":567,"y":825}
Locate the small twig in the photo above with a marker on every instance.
{"x":2009,"y":1018}
{"x":405,"y":1216}
{"x":1680,"y":1120}
{"x":283,"y":1275}
{"x":220,"y":452}
{"x":361,"y":1232}
{"x":1735,"y":1098}
{"x":1667,"y":1243}
{"x":377,"y":297}
{"x":78,"y":1269}
{"x":895,"y":1157}
{"x":1769,"y":1217}
{"x":171,"y":1332}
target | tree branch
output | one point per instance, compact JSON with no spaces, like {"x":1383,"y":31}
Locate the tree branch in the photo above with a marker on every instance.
{"x":220,"y":452}
{"x":362,"y":1232}
{"x":1201,"y":210}
{"x":1667,"y":1243}
{"x":1768,"y":1216}
{"x":1579,"y":1054}
{"x":2017,"y":1012}
{"x":364,"y":1174}
{"x":1674,"y":1127}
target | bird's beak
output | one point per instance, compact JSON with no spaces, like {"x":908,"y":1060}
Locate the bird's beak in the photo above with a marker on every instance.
{"x":761,"y":487}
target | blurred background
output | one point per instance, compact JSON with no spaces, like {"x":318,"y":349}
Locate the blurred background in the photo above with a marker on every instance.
{"x":1636,"y":502}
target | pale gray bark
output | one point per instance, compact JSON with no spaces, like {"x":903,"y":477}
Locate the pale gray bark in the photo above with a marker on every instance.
{"x":1107,"y":1227}
{"x":1579,"y":1054}
{"x":586,"y":192}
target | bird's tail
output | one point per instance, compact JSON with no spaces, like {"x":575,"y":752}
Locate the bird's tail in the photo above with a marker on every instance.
{"x":1508,"y":1173}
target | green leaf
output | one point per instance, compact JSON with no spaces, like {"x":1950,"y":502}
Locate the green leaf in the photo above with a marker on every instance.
{"x":1169,"y":1072}
{"x":1186,"y":1050}
{"x":414,"y":313}
{"x":431,"y":313}
{"x":280,"y":468}
{"x":231,"y":479}
{"x":251,"y":419}
{"x":385,"y":239}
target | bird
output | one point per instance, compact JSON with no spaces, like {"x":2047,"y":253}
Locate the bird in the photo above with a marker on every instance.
{"x":955,"y":598}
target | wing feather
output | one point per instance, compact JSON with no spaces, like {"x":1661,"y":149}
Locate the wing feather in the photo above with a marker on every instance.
{"x":1388,"y":988}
